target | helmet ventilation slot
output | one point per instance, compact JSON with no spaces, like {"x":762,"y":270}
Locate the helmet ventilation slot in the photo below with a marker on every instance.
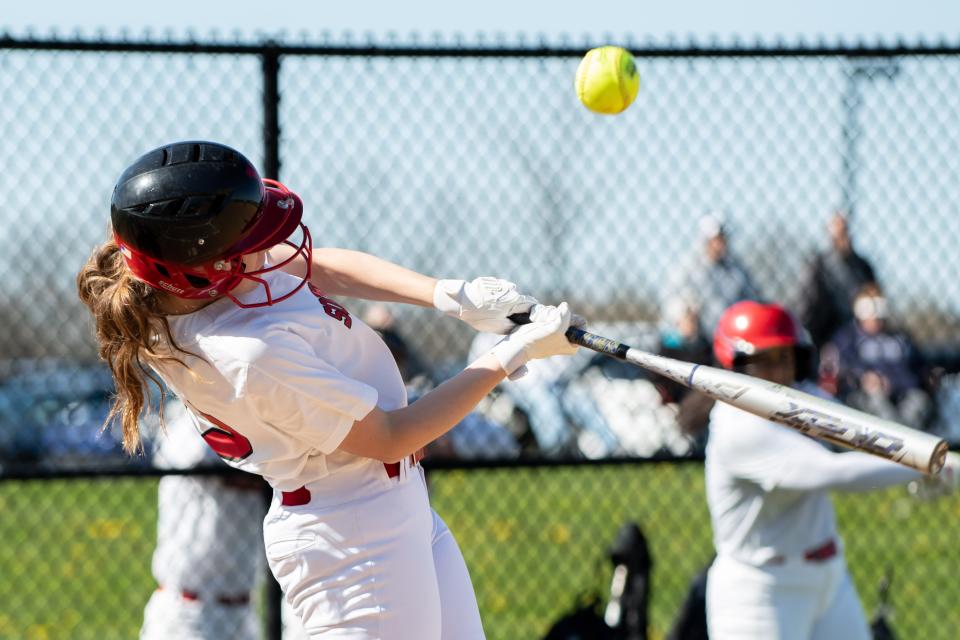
{"x":196,"y":281}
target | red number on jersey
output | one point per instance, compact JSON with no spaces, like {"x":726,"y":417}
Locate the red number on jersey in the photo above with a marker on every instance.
{"x":225,"y":441}
{"x":333,"y":309}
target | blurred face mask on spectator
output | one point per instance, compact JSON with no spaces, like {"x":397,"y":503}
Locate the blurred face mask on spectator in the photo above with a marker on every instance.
{"x":870,"y":312}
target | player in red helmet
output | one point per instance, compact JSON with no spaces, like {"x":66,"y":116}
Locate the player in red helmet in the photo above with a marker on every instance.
{"x":779,"y":571}
{"x":199,"y":285}
{"x":747,"y":329}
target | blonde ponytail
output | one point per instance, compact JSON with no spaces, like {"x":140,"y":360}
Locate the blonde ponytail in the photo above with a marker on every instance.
{"x":131,"y":335}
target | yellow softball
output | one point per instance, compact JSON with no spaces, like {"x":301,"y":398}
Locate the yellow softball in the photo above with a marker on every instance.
{"x":607,"y":80}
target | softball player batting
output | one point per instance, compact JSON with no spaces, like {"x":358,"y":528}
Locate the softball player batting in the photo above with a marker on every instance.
{"x":284,"y":382}
{"x":779,"y":572}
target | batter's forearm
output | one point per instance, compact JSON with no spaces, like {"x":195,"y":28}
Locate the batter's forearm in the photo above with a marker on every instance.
{"x":392,"y":435}
{"x":864,"y":472}
{"x":853,"y":471}
{"x":442,"y":408}
{"x":355,"y":274}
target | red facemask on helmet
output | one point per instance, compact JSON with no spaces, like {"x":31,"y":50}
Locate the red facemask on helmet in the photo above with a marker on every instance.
{"x":748,"y":327}
{"x":185,"y":215}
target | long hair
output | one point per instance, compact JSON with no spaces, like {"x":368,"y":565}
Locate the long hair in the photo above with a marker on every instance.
{"x":132,"y":334}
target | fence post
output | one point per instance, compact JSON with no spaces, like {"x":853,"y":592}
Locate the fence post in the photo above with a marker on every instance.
{"x":271,"y":110}
{"x":271,"y":165}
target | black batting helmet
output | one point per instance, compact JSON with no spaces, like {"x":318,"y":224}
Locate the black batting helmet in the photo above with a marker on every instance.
{"x":184,"y":214}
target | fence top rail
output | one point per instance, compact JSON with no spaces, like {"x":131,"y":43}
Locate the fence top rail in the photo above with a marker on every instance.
{"x":504,"y":50}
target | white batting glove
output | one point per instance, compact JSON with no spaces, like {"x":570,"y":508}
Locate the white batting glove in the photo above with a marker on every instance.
{"x":939,"y":484}
{"x":483,"y":303}
{"x":542,"y":338}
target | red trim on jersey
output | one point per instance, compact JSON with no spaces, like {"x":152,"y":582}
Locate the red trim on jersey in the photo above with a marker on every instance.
{"x":227,"y":442}
{"x":296,"y":498}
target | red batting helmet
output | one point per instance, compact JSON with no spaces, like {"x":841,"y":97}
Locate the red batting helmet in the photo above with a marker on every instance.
{"x":184,"y":214}
{"x":749,"y":327}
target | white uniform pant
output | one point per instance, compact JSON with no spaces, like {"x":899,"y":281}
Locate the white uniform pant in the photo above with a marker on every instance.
{"x":798,"y":600}
{"x":383,"y":567}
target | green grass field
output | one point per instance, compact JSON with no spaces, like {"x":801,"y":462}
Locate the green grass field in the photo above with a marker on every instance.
{"x":75,"y":555}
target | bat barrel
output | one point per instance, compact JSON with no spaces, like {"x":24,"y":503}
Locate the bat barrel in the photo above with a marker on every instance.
{"x":817,"y":417}
{"x":808,"y":414}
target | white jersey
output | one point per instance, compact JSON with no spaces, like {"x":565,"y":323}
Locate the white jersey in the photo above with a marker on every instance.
{"x":767,"y":486}
{"x":278,"y":388}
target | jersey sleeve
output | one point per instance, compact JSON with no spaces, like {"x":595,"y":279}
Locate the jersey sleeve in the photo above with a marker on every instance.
{"x":292,"y":389}
{"x":775,"y":457}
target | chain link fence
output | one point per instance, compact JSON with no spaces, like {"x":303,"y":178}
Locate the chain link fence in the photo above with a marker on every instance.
{"x":461,"y":162}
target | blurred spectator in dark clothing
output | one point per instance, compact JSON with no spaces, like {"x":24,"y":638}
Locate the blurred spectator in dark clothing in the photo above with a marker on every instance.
{"x":877,"y":369}
{"x":833,"y":278}
{"x":713,"y":278}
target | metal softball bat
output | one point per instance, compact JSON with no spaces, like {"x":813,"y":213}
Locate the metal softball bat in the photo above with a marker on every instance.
{"x":807,"y":414}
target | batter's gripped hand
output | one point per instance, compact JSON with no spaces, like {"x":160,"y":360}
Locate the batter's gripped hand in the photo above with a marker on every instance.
{"x":542,"y":338}
{"x":483,"y":303}
{"x":939,"y":484}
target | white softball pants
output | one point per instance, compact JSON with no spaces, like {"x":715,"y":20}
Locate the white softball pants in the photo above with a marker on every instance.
{"x":798,"y":600}
{"x":382,"y":567}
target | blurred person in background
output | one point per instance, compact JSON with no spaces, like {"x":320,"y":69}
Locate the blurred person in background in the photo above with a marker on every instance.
{"x":682,"y":338}
{"x":209,"y":559}
{"x":832,"y":279}
{"x":199,"y":284}
{"x":780,"y":571}
{"x":564,"y":418}
{"x":877,"y":368}
{"x":712,"y":278}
